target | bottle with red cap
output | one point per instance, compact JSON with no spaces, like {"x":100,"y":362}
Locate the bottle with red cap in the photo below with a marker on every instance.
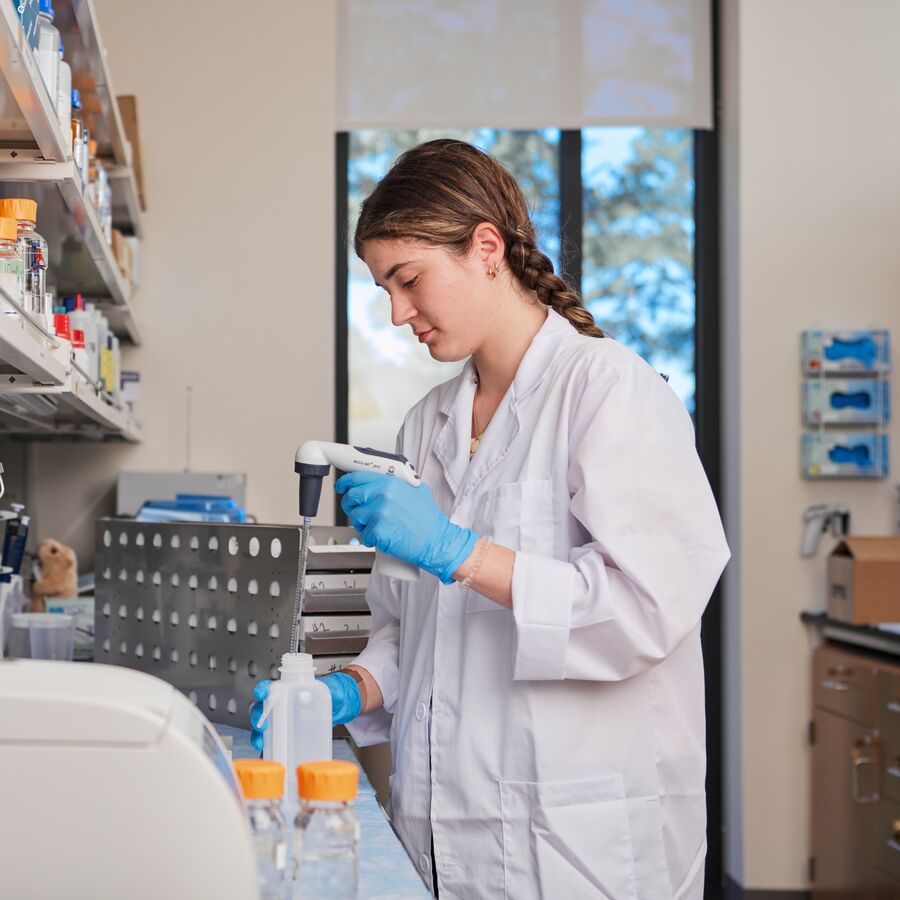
{"x":80,"y":352}
{"x":81,"y":319}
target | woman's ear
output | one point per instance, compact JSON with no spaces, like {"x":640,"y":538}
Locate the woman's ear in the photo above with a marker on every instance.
{"x":488,"y":244}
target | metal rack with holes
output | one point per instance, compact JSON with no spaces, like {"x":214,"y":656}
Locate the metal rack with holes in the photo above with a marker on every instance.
{"x":208,"y":607}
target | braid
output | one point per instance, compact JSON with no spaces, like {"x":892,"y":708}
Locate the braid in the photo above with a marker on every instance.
{"x":535,"y":271}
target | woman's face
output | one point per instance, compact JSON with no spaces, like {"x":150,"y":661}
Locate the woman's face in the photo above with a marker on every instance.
{"x":445,"y":298}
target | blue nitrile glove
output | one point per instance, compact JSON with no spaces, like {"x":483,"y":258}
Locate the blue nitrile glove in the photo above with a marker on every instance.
{"x":260,"y":693}
{"x":346,"y":703}
{"x":405,"y":521}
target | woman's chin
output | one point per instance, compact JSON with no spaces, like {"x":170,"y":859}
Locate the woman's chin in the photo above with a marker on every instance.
{"x":445,"y":354}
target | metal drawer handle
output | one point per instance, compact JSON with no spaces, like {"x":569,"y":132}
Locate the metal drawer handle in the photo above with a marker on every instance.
{"x":860,"y":759}
{"x":833,"y":684}
{"x":893,"y":706}
{"x":894,"y":770}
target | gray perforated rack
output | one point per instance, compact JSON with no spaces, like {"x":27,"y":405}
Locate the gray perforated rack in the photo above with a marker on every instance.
{"x":208,"y":607}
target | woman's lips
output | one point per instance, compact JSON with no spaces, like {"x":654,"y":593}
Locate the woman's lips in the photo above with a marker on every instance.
{"x":424,"y":335}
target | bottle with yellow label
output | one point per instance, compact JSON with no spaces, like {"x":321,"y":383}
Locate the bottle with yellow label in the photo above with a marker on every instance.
{"x":106,"y":364}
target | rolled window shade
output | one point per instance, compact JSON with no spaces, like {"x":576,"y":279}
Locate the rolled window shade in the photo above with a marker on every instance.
{"x":524,"y":64}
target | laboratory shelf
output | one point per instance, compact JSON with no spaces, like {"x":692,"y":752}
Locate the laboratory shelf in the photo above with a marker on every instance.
{"x":126,"y":200}
{"x":81,"y":259}
{"x":72,"y":410}
{"x":44,"y":394}
{"x":27,"y":355}
{"x":85,"y":53}
{"x":27,"y":113}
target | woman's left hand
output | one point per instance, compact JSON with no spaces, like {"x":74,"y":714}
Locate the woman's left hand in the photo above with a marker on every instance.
{"x":405,"y":521}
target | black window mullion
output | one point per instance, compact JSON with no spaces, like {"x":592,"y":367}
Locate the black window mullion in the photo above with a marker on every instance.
{"x":708,"y":421}
{"x":571,"y":208}
{"x":341,"y":324}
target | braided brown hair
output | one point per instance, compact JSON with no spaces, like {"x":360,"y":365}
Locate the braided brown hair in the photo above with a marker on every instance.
{"x":440,"y":191}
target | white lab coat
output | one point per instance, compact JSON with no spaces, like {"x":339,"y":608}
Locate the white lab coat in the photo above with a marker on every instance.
{"x":556,"y":750}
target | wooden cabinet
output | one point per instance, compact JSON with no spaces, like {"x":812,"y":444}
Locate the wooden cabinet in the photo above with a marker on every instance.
{"x":856,"y":776}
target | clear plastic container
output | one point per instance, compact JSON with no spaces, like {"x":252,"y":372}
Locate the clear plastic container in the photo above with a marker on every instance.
{"x":12,"y":269}
{"x":42,"y":636}
{"x":299,"y":713}
{"x":262,"y":784}
{"x":64,"y":93}
{"x":48,"y":49}
{"x":33,"y":252}
{"x":79,"y":147}
{"x":326,"y":832}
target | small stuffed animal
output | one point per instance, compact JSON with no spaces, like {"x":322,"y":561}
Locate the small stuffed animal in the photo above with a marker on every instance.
{"x":58,"y":575}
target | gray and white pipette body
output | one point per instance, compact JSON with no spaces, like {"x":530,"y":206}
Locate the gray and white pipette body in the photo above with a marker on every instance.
{"x":312,"y":462}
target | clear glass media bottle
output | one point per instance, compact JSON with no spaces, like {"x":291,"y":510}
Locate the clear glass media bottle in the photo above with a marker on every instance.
{"x":33,"y":252}
{"x":262,"y":784}
{"x":326,"y":832}
{"x":12,"y":271}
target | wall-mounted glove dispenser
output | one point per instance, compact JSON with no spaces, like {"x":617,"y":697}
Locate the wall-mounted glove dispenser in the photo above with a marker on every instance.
{"x":839,"y":401}
{"x":845,"y":387}
{"x":845,"y":454}
{"x":846,"y":351}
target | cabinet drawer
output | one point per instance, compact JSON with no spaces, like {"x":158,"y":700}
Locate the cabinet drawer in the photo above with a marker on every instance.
{"x":844,"y":683}
{"x":887,"y":714}
{"x":887,"y":838}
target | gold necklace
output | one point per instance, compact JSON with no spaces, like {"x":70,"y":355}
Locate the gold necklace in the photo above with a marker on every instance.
{"x":473,"y":446}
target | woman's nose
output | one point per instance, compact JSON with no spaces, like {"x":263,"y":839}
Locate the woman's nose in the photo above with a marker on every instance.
{"x":402,"y":311}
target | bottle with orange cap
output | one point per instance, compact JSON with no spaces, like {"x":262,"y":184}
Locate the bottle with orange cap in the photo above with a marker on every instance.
{"x":326,"y":833}
{"x":33,"y":253}
{"x":12,"y":271}
{"x":262,"y":784}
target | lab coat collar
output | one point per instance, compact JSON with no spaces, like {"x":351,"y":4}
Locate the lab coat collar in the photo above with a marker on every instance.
{"x":452,"y":444}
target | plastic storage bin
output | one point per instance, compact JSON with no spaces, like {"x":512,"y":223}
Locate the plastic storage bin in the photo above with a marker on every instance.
{"x":42,"y":636}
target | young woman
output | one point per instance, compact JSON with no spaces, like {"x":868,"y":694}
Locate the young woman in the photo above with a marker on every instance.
{"x":541,"y":682}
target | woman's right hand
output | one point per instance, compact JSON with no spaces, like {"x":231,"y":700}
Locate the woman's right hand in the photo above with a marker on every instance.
{"x":346,"y":703}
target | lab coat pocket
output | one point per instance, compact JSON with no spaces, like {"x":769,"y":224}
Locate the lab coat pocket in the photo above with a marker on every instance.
{"x":518,"y":515}
{"x":567,"y":839}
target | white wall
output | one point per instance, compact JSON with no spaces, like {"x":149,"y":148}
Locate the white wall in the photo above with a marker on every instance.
{"x":812,"y":237}
{"x":236,"y":110}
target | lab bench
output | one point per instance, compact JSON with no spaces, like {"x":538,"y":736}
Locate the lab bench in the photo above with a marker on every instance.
{"x":854,"y":733}
{"x":385,"y":869}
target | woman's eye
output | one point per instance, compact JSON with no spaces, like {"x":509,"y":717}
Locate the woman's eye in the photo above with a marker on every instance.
{"x":412,"y":282}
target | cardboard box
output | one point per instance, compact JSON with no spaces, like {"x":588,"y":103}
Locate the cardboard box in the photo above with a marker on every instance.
{"x":864,"y":580}
{"x":128,"y":111}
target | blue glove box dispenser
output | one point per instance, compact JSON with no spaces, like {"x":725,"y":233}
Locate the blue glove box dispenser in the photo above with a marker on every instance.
{"x":846,"y":351}
{"x":845,"y":454}
{"x":839,"y":401}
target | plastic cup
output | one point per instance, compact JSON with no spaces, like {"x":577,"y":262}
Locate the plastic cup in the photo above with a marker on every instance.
{"x":42,"y":636}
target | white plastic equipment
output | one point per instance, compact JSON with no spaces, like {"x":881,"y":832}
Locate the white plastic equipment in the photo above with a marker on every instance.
{"x":114,"y":785}
{"x":312,"y":462}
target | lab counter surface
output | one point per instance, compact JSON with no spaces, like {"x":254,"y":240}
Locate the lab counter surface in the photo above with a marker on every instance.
{"x":385,"y":869}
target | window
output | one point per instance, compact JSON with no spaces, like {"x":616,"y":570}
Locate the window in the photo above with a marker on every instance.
{"x":636,"y":255}
{"x":638,"y":244}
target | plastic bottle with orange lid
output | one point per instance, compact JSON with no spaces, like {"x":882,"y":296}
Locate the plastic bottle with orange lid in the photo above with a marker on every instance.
{"x":326,"y":832}
{"x":262,"y":784}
